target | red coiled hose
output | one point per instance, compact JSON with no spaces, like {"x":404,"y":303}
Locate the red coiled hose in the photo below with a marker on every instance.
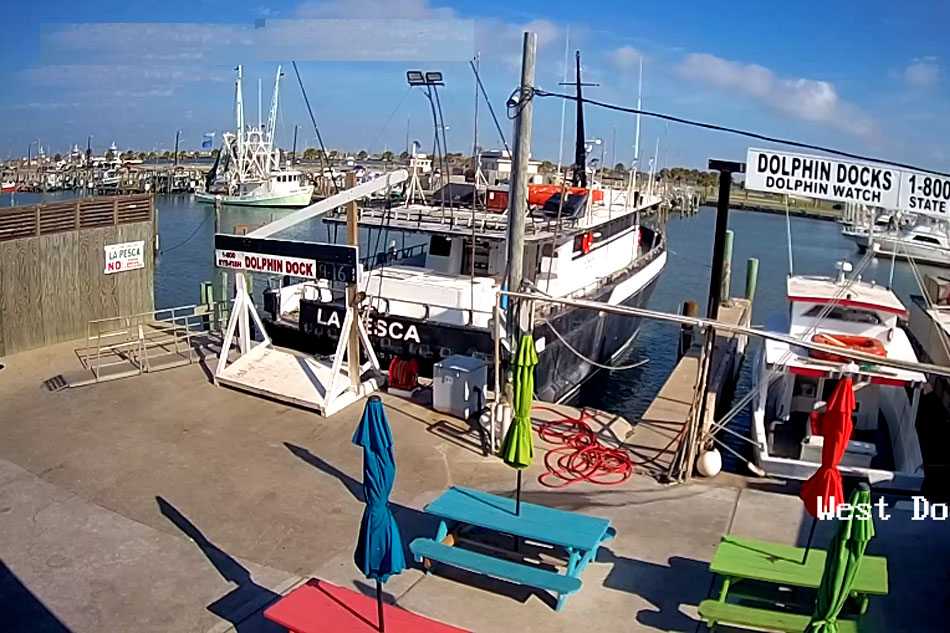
{"x":581,"y":456}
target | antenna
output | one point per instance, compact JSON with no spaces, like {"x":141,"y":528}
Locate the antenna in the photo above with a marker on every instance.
{"x":579,"y":176}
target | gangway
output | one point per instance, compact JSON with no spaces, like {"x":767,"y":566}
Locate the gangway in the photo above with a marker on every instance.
{"x":325,"y":385}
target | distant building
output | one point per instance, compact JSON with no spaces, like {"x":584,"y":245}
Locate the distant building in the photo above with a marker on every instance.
{"x":496,"y":167}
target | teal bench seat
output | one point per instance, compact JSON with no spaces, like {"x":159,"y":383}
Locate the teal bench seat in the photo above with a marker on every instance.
{"x":715,"y":612}
{"x":517,"y":573}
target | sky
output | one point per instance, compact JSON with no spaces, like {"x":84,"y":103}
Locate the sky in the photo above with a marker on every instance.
{"x":862,"y":76}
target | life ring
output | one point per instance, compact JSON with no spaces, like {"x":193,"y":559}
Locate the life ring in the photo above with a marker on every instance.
{"x":587,"y":241}
{"x":865,"y":344}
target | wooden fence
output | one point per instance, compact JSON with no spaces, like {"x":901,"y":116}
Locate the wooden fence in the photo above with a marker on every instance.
{"x":52,"y":268}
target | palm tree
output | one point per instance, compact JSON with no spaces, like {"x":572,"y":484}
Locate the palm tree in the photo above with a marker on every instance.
{"x":403,"y":155}
{"x":362,"y":154}
{"x":141,"y":155}
{"x":309,"y":153}
{"x":387,"y":156}
{"x":166,"y":155}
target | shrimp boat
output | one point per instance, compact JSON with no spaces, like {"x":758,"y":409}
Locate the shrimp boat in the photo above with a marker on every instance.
{"x":792,"y":384}
{"x":432,"y":293}
{"x":247,"y":171}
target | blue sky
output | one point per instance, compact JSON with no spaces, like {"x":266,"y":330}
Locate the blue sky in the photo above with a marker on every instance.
{"x":864,"y":76}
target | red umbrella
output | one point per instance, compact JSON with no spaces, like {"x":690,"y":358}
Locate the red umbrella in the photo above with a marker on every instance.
{"x":835,"y":427}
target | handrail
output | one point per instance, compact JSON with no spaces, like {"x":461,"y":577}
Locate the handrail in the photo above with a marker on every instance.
{"x":175,"y":328}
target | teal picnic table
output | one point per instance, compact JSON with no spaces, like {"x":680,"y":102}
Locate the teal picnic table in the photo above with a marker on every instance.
{"x":579,"y":535}
{"x":740,"y":559}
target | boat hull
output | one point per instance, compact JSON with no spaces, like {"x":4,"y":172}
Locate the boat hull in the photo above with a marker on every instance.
{"x":299,"y":198}
{"x":901,"y":249}
{"x":595,"y":335}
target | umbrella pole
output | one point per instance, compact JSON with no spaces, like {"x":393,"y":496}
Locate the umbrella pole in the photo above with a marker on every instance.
{"x":518,"y":495}
{"x":811,"y":535}
{"x":379,"y":605}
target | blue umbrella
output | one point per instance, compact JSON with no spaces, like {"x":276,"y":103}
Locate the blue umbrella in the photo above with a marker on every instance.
{"x":378,"y":552}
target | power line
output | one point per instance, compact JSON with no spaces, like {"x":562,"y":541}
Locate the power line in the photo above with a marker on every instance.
{"x":491,"y":110}
{"x":721,"y":128}
{"x":325,"y":162}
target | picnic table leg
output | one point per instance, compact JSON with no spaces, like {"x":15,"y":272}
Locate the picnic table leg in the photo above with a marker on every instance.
{"x":726,"y":581}
{"x":440,"y":535}
{"x":573,"y":561}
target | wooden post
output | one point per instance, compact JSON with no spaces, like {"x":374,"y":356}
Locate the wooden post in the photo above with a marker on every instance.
{"x":352,"y":238}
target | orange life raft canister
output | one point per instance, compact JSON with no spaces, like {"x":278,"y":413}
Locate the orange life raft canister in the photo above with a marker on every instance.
{"x":865,"y":344}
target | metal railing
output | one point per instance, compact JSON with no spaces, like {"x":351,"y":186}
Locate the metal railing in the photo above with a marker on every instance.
{"x":143,"y":342}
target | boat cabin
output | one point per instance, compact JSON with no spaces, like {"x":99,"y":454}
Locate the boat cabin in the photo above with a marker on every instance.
{"x":795,"y":383}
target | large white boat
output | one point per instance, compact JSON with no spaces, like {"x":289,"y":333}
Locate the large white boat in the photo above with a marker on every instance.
{"x":430,"y":291}
{"x":792,"y":385}
{"x":248,"y":168}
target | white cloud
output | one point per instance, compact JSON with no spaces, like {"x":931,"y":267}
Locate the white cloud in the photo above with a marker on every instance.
{"x":805,"y":99}
{"x":373,"y":9}
{"x":145,"y":43}
{"x":626,"y":59}
{"x":922,"y":73}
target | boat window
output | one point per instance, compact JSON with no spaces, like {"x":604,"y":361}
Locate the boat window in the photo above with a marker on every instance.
{"x":440,"y":246}
{"x":845,"y":313}
{"x":926,"y":240}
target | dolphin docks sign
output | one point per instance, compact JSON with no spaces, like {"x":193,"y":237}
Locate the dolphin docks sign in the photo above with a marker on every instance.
{"x":845,"y":181}
{"x":311,"y":260}
{"x":818,"y":177}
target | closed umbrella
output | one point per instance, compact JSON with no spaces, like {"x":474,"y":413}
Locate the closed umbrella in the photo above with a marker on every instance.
{"x":518,"y":447}
{"x":823,"y":491}
{"x":842,"y":563}
{"x":379,"y":552}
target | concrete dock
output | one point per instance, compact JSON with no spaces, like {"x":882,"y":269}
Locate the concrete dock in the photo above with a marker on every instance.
{"x":164,"y":503}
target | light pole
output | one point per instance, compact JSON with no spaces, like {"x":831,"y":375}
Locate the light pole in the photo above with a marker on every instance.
{"x":431,"y":80}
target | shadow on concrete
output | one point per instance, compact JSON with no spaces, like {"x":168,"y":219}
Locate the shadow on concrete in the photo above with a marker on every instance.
{"x":473,"y":437}
{"x":247,"y":598}
{"x":683,"y":581}
{"x":20,"y":610}
{"x":603,"y":498}
{"x":412,"y":522}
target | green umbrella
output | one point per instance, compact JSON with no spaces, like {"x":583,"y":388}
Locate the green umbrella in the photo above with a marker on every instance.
{"x":518,"y":448}
{"x":842,"y":563}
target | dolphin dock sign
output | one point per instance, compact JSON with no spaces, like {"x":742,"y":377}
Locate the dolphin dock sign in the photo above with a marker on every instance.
{"x":821,"y":177}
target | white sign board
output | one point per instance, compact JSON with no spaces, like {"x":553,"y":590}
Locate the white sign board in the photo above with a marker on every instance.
{"x":123,"y":257}
{"x":924,"y":192}
{"x":277,"y":265}
{"x":820,"y":177}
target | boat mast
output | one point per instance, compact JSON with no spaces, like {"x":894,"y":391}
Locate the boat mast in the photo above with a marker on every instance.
{"x":272,"y":116}
{"x":579,"y":178}
{"x":636,"y":138}
{"x":239,"y":106}
{"x":567,"y":61}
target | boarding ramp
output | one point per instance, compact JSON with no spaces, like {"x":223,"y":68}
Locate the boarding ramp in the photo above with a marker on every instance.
{"x":134,"y":344}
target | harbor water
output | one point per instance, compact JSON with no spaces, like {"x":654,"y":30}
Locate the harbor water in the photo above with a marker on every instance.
{"x":186,"y":258}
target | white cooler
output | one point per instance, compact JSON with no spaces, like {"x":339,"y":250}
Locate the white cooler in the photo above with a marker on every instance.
{"x":458,"y":385}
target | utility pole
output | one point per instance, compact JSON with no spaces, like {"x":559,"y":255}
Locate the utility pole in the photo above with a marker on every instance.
{"x":177,"y":138}
{"x":518,"y":189}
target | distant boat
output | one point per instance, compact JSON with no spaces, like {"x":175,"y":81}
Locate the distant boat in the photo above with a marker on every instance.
{"x":8,"y":186}
{"x":247,"y":171}
{"x":927,"y":240}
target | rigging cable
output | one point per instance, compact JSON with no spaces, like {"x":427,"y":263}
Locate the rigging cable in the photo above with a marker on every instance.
{"x":390,"y":118}
{"x":721,"y":128}
{"x":491,"y":110}
{"x":187,"y":239}
{"x":325,"y":158}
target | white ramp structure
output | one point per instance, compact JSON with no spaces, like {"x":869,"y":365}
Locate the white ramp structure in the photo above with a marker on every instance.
{"x":323,"y":385}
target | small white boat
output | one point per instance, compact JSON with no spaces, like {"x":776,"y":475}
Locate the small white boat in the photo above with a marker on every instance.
{"x":925,"y":239}
{"x":792,"y":384}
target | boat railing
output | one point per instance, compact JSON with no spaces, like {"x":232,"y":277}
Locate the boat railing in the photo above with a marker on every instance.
{"x":468,"y":315}
{"x":384,"y":258}
{"x":657,"y":247}
{"x":147,"y":341}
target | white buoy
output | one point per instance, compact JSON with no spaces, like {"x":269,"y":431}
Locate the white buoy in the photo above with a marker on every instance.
{"x":709,"y":463}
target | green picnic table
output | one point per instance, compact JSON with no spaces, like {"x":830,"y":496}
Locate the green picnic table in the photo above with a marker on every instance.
{"x":740,"y":559}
